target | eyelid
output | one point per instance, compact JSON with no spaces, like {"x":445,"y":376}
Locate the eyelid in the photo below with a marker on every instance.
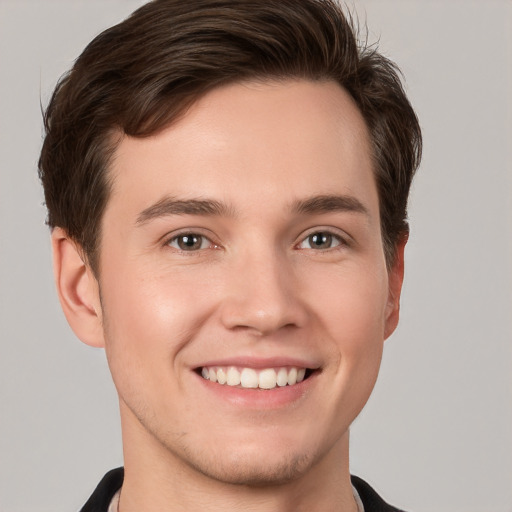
{"x":169,"y":237}
{"x":345,"y":240}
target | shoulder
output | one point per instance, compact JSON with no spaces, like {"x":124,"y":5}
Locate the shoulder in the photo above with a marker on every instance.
{"x":104,"y":492}
{"x":371,"y":500}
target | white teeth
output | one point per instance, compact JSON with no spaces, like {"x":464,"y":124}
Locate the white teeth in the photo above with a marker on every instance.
{"x":221,"y":376}
{"x":292,"y":376}
{"x":249,"y":378}
{"x":233,"y":377}
{"x":267,"y":378}
{"x":282,"y":377}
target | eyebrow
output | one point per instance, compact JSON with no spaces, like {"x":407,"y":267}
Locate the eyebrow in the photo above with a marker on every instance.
{"x":172,"y":206}
{"x":210,"y":207}
{"x":329,"y":203}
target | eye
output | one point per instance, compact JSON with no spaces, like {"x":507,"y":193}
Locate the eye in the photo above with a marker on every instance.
{"x":190,"y":242}
{"x":320,"y":240}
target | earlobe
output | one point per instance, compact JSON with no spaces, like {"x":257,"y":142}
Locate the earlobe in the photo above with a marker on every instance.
{"x":77,"y":289}
{"x":395,"y":280}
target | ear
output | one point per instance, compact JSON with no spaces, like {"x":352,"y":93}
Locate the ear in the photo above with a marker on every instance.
{"x":78,"y":289}
{"x":395,"y":280}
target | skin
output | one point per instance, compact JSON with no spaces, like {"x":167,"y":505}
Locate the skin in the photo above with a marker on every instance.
{"x":255,"y":289}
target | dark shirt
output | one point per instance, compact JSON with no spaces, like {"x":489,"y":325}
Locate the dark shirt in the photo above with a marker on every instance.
{"x":113,"y":480}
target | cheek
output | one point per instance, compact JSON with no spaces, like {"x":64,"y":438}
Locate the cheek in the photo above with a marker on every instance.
{"x":147,"y":321}
{"x":352,"y":304}
{"x":352,"y":312}
{"x":154,"y":303}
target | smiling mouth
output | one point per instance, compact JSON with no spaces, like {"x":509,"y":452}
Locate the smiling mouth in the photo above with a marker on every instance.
{"x":250,"y":378}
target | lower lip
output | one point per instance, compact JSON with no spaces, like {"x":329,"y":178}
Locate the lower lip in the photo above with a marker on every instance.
{"x":260,"y":399}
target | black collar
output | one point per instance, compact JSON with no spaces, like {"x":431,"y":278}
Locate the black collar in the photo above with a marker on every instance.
{"x":113,"y":480}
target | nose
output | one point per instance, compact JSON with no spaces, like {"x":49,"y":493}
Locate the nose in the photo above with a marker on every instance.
{"x":262,"y":295}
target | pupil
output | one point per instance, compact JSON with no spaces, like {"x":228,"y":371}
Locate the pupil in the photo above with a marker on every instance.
{"x":188,"y":242}
{"x":321,"y":240}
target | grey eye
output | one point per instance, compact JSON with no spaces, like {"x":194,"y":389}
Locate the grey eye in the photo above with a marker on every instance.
{"x":320,"y":240}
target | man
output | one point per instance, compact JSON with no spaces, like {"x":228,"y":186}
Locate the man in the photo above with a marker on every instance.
{"x":227,"y":186}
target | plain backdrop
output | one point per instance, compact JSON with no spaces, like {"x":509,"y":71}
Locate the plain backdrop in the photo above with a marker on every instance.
{"x":437,"y":432}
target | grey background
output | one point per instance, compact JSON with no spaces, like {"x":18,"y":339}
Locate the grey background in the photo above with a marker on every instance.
{"x":437,"y":432}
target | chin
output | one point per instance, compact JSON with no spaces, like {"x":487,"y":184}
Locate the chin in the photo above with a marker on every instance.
{"x":251,"y":470}
{"x":254,"y":457}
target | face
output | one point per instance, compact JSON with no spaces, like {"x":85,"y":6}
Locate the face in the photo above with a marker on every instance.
{"x":244,"y":291}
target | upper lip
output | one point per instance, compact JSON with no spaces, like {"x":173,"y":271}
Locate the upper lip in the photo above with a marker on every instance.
{"x":262,"y":362}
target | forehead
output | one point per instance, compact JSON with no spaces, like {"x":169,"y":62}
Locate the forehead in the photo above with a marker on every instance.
{"x":244,"y":140}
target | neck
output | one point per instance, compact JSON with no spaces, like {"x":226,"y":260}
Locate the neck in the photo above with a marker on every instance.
{"x":158,"y":480}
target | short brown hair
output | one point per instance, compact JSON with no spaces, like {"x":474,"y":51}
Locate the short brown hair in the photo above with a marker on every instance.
{"x":142,"y":74}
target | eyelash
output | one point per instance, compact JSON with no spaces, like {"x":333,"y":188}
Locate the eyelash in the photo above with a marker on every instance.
{"x":190,"y":235}
{"x":326,"y":236}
